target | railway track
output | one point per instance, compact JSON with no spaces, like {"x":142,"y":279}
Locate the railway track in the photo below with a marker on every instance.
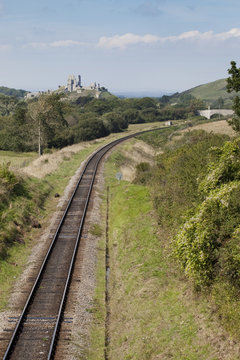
{"x":36,"y":333}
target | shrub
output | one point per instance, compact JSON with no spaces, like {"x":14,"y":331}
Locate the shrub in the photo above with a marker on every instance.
{"x":203,"y":234}
{"x":207,"y":244}
{"x":143,"y":173}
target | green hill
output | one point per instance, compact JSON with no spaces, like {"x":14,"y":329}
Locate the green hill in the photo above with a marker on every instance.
{"x":210,"y":92}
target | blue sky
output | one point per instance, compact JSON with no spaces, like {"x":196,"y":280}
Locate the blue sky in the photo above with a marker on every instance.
{"x":145,"y":45}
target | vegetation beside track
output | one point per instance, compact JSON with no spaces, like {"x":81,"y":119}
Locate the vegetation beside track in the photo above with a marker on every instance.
{"x":28,"y":201}
{"x":195,"y":188}
{"x":155,"y":311}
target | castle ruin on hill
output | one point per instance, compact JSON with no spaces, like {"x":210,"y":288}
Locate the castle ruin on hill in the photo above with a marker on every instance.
{"x":75,"y":84}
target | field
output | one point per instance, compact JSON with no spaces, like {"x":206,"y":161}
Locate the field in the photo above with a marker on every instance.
{"x":17,"y":160}
{"x":217,"y":127}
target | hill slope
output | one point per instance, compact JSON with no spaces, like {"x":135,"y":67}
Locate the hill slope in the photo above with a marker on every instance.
{"x":210,"y":92}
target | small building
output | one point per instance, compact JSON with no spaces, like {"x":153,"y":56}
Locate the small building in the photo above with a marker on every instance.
{"x":168,"y":123}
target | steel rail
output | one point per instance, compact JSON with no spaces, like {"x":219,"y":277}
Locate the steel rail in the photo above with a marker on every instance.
{"x":30,"y":299}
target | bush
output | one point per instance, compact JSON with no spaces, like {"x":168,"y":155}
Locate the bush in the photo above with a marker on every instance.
{"x":207,"y":244}
{"x":203,"y":234}
{"x":89,"y":129}
{"x":178,"y":173}
{"x":143,"y":173}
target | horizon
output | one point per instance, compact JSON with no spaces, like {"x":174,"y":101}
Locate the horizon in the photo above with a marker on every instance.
{"x":125,"y":92}
{"x":147,"y":45}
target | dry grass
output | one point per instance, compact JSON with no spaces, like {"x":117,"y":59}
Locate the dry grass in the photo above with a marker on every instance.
{"x":48,"y":163}
{"x":17,"y":160}
{"x":135,"y":152}
{"x":218,"y":127}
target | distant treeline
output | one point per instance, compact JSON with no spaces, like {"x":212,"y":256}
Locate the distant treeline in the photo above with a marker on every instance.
{"x":53,"y":121}
{"x":12,"y":92}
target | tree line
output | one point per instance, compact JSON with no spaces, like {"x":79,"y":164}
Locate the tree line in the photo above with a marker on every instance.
{"x":55,"y":121}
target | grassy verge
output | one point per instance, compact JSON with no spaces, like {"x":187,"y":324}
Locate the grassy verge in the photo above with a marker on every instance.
{"x":17,"y":160}
{"x":153,"y":313}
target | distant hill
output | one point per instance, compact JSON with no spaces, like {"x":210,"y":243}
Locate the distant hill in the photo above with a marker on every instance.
{"x":139,"y":94}
{"x":210,"y":92}
{"x":12,"y":92}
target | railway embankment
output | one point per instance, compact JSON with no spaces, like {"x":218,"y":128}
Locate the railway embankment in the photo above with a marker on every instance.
{"x":154,"y":312}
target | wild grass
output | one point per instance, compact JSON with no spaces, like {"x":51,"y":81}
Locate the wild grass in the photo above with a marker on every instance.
{"x":217,"y":127}
{"x":96,"y":230}
{"x":153,"y":314}
{"x":17,"y":160}
{"x":11,"y":269}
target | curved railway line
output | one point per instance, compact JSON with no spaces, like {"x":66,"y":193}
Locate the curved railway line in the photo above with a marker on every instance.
{"x":37,"y":329}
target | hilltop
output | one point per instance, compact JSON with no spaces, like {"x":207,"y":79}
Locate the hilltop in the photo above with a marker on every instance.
{"x":209,"y":93}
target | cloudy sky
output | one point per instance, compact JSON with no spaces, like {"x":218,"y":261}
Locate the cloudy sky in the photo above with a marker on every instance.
{"x":125,"y":45}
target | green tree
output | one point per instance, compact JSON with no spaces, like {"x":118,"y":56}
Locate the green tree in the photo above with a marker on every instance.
{"x":7,"y":104}
{"x":233,"y":84}
{"x":115,"y":122}
{"x":45,"y":116}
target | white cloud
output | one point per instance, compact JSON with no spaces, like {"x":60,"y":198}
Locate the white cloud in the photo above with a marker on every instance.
{"x":61,"y":43}
{"x":122,"y":41}
{"x":37,"y":45}
{"x":233,"y":33}
{"x":55,"y":44}
{"x":189,"y":35}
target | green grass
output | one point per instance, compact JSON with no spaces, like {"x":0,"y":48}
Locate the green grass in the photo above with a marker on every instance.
{"x":11,"y":269}
{"x":153,"y":314}
{"x":212,"y":91}
{"x":17,"y":160}
{"x":159,"y":138}
{"x":96,"y":230}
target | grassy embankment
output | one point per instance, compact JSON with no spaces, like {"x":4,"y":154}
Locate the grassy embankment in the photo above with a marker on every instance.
{"x":154,"y":313}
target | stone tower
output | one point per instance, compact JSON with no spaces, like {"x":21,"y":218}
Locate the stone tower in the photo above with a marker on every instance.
{"x":71,"y":83}
{"x":79,"y":81}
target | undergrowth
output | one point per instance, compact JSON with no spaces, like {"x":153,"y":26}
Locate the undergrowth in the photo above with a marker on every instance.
{"x":152,"y":315}
{"x":21,"y":200}
{"x":196,"y":190}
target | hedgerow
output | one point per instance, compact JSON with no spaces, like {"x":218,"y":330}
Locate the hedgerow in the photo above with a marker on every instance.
{"x":207,"y":245}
